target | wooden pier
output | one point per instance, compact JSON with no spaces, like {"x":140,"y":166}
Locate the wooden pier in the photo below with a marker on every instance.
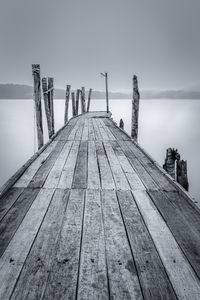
{"x":92,"y":216}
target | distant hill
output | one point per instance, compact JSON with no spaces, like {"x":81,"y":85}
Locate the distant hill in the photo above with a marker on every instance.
{"x":18,"y":91}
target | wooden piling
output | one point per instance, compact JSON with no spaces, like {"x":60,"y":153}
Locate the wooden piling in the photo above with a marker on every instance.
{"x":47,"y":106}
{"x":181,"y":173}
{"x":121,"y":124}
{"x":169,"y":165}
{"x":38,"y":104}
{"x":89,"y":98}
{"x":83,"y":109}
{"x":73,"y":104}
{"x":68,"y":87}
{"x":50,"y":99}
{"x":135,"y":109}
{"x":77,"y":100}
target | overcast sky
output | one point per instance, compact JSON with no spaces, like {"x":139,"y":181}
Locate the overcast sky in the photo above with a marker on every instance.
{"x":74,"y":40}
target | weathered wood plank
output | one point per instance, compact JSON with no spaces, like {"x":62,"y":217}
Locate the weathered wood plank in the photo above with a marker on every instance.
{"x":42,"y":173}
{"x":55,"y":173}
{"x":26,"y":177}
{"x":93,"y":170}
{"x":183,"y":230}
{"x":182,"y":276}
{"x":74,"y":130}
{"x":14,"y":257}
{"x":14,"y":217}
{"x":106,"y":177}
{"x":66,"y":177}
{"x":80,"y":174}
{"x":103,"y":132}
{"x":97,"y":133}
{"x":93,"y":272}
{"x":153,"y":278}
{"x":131,"y":175}
{"x":79,"y":132}
{"x":62,"y":281}
{"x":85,"y":131}
{"x":119,"y":134}
{"x":108,"y":132}
{"x":118,"y":174}
{"x":91,"y":135}
{"x":33,"y":277}
{"x":123,"y":279}
{"x":7,"y":200}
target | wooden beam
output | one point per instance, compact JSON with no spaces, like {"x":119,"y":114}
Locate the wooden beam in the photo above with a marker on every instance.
{"x":83,"y":109}
{"x":68,"y":87}
{"x":121,"y":124}
{"x":38,"y":104}
{"x":89,"y":98}
{"x":47,"y":106}
{"x":77,"y":100}
{"x":135,"y":109}
{"x":50,"y":98}
{"x":181,"y":173}
{"x":73,"y":104}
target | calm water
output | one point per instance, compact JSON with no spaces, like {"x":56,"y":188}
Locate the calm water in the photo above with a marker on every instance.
{"x":162,"y":124}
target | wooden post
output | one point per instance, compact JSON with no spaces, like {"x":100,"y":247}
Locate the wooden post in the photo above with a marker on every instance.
{"x":89,"y":98}
{"x":135,"y":109}
{"x":47,"y":106}
{"x":83,"y":109}
{"x":50,"y":99}
{"x":73,"y":104}
{"x":169,"y":165}
{"x":68,"y":87}
{"x":77,"y":100}
{"x":121,"y":124}
{"x":38,"y":104}
{"x":181,"y":173}
{"x":105,"y":75}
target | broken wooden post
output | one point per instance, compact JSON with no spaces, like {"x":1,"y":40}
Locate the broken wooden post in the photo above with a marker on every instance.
{"x":181,"y":173}
{"x":77,"y":100}
{"x":47,"y":106}
{"x":50,"y":99}
{"x":135,"y":109}
{"x":121,"y":124}
{"x":89,"y":98}
{"x":169,"y":165}
{"x":73,"y":104}
{"x":38,"y":104}
{"x":83,"y":109}
{"x":68,"y":87}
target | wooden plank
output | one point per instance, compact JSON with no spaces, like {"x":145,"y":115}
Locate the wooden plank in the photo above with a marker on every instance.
{"x":183,"y":230}
{"x":26,"y":177}
{"x":153,"y":278}
{"x":106,"y":177}
{"x":80,"y":174}
{"x":93,"y":170}
{"x":63,"y":135}
{"x":14,"y":257}
{"x":108,"y":132}
{"x":74,"y":131}
{"x":182,"y":276}
{"x":34,"y":275}
{"x":7,"y":200}
{"x":66,"y":177}
{"x":93,"y":272}
{"x":102,"y":130}
{"x":62,"y":281}
{"x":131,"y":175}
{"x":118,"y":174}
{"x":41,"y":175}
{"x":123,"y":279}
{"x":55,"y":173}
{"x":91,"y":135}
{"x":97,"y":133}
{"x":14,"y":217}
{"x":85,"y":131}
{"x":79,"y":132}
{"x":119,"y":134}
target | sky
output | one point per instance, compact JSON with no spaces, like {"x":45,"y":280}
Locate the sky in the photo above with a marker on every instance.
{"x":75,"y":40}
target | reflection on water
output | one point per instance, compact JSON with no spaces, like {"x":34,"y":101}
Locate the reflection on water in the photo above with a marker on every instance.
{"x":162,"y":124}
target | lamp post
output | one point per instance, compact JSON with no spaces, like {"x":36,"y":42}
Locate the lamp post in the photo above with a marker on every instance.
{"x":106,"y":84}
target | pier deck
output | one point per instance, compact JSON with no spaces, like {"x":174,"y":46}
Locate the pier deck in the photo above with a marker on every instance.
{"x":92,"y":216}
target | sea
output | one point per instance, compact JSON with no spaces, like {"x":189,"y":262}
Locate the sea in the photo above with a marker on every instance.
{"x":163,"y":123}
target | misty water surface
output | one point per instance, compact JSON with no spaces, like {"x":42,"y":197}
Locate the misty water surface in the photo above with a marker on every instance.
{"x":162,"y":124}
